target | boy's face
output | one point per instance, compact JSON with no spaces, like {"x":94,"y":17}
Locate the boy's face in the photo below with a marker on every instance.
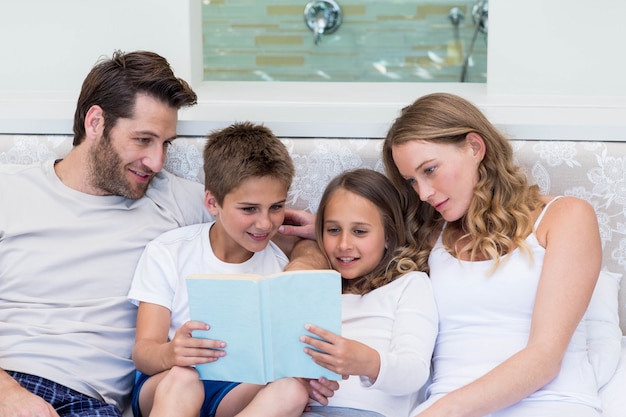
{"x":248,"y":218}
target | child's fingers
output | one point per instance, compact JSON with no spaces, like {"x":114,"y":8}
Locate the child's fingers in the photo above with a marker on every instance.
{"x":316,"y":343}
{"x":190,"y":326}
{"x":210,"y":344}
{"x":324,"y":334}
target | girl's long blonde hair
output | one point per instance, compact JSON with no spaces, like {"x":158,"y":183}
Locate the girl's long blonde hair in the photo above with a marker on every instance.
{"x":376,"y":188}
{"x":500,"y":215}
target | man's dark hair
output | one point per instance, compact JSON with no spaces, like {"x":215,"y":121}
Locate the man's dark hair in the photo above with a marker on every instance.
{"x":113,"y":84}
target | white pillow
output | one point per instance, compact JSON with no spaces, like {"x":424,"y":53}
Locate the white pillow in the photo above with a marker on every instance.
{"x":612,"y":394}
{"x":604,"y":335}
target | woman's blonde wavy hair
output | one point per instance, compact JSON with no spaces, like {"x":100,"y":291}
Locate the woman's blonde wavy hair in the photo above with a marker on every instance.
{"x":376,"y":188}
{"x":500,"y":215}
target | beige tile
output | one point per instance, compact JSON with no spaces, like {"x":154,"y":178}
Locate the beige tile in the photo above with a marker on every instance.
{"x":434,"y":9}
{"x":354,"y":10}
{"x":278,"y":40}
{"x":285,"y":10}
{"x":421,"y":61}
{"x":280,"y":60}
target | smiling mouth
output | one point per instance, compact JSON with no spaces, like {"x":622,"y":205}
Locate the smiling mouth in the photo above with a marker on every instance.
{"x":141,"y":175}
{"x":258,"y":237}
{"x":346,"y":260}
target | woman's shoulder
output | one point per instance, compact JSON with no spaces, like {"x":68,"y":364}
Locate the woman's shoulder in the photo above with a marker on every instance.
{"x":568,"y":206}
{"x":564,"y":212}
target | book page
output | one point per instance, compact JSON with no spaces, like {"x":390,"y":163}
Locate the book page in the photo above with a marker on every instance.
{"x":293,"y":300}
{"x":232,"y":308}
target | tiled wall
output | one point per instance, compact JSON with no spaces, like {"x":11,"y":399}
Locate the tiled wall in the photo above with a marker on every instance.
{"x":389,"y":40}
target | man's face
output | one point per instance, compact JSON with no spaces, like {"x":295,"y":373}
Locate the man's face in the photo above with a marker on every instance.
{"x":125,"y":161}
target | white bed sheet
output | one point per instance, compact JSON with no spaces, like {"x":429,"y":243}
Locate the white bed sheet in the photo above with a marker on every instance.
{"x":613,"y":394}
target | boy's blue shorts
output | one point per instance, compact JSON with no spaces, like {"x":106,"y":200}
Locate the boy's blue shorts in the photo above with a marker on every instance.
{"x":214,"y":392}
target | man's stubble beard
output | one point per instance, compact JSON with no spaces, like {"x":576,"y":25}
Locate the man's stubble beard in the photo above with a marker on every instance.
{"x":108,"y":173}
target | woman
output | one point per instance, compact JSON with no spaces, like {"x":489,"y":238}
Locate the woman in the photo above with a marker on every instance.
{"x":512,"y":270}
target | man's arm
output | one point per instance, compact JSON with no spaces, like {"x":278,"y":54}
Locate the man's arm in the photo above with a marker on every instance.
{"x":17,"y":401}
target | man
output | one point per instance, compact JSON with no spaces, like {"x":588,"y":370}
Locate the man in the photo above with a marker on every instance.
{"x":71,"y":232}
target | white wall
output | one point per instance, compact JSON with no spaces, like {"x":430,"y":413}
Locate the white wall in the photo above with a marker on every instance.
{"x":51,"y":45}
{"x":569,"y":47}
{"x":555,"y":71}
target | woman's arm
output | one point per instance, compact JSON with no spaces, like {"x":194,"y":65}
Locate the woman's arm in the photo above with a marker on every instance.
{"x":570,"y":234}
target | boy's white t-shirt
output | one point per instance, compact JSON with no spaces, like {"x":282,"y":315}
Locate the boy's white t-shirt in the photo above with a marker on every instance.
{"x":160,"y":277}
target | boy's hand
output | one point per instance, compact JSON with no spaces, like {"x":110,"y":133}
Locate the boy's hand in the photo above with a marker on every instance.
{"x":186,"y":350}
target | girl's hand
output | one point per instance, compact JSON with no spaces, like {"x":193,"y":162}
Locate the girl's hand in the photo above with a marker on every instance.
{"x":320,"y":389}
{"x":185,"y":350}
{"x":340,"y":355}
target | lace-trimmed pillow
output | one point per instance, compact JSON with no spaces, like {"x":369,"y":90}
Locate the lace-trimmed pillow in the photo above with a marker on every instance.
{"x":604,"y":335}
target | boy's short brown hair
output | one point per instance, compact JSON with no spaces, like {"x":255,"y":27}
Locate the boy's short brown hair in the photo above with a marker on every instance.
{"x":241,"y":151}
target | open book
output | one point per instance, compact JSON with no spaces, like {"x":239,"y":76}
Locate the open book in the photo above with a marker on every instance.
{"x":261,"y":319}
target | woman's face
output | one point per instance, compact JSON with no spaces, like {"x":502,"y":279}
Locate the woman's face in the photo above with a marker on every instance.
{"x":442,"y":175}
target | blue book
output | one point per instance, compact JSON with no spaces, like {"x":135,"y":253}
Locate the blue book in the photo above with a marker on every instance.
{"x":261,"y":319}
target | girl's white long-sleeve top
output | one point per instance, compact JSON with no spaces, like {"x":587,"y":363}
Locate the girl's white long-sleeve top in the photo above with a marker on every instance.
{"x":399,"y":320}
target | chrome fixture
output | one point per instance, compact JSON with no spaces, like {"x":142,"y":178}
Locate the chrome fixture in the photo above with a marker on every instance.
{"x":456,"y":16}
{"x":322,"y":17}
{"x":480,"y":16}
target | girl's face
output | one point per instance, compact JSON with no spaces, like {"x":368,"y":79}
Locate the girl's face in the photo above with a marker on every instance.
{"x":353,"y":234}
{"x":443,"y":175}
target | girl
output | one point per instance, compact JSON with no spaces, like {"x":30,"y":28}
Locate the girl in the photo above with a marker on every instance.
{"x":388,"y":312}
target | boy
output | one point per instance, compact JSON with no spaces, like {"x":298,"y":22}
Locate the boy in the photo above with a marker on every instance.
{"x":248,"y":172}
